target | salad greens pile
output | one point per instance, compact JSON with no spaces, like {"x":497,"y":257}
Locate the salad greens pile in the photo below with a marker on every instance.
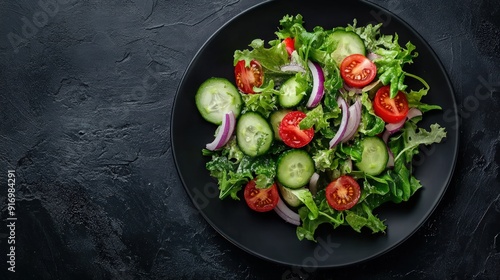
{"x":233,"y":169}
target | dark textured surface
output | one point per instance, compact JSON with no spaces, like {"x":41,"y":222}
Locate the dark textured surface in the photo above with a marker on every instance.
{"x":85,"y":103}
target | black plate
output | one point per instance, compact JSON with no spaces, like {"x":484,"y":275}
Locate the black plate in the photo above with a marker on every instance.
{"x":264,"y":234}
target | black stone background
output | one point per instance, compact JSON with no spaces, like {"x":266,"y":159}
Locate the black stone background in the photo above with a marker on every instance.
{"x":85,"y":104}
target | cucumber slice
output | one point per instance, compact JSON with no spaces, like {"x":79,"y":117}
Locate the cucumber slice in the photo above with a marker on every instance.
{"x":217,"y":96}
{"x":275,"y":118}
{"x":290,"y":93}
{"x":290,"y":198}
{"x":253,"y":134}
{"x":294,"y":168}
{"x":347,"y":43}
{"x":374,"y":156}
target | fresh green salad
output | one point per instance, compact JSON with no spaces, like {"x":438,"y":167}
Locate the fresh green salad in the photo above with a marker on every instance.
{"x":318,"y":125}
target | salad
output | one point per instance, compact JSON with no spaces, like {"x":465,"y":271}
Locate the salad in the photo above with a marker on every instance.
{"x":318,"y":125}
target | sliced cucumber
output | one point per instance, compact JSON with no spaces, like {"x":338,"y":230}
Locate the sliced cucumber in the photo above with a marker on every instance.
{"x":347,"y":43}
{"x":294,"y":168}
{"x":275,"y":118}
{"x":288,"y":196}
{"x":291,"y":93}
{"x":217,"y":96}
{"x":253,"y":134}
{"x":374,"y":156}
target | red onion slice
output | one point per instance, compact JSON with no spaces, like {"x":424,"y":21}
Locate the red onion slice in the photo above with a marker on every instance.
{"x":390,"y":161}
{"x":353,"y":89}
{"x":395,"y":127}
{"x":372,"y":56}
{"x":313,"y":183}
{"x":353,"y":122}
{"x":413,"y":112}
{"x":373,"y":85}
{"x":385,"y":135}
{"x":225,"y":131}
{"x":292,"y":68}
{"x":318,"y":89}
{"x":286,"y":213}
{"x":343,"y":124}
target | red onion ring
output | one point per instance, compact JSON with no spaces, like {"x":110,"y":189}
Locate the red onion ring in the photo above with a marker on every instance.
{"x":343,"y":124}
{"x":353,"y":122}
{"x":392,"y":128}
{"x":385,"y":135}
{"x":318,"y":84}
{"x":367,"y":88}
{"x":313,"y":183}
{"x":292,"y":68}
{"x":395,"y":127}
{"x":353,"y":89}
{"x":413,"y":112}
{"x":286,"y":213}
{"x":390,"y":161}
{"x":372,"y":56}
{"x":225,"y":131}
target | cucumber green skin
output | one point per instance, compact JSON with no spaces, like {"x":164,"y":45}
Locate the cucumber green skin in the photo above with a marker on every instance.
{"x":207,"y":93}
{"x":275,"y":119}
{"x":289,"y":197}
{"x":250,"y":128}
{"x":347,"y":43}
{"x":374,"y":156}
{"x":289,"y":97}
{"x":289,"y":159}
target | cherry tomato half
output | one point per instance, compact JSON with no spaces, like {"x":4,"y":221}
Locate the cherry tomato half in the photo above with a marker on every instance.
{"x":290,"y":132}
{"x":289,"y":44}
{"x":357,"y":70}
{"x":391,"y":110}
{"x":261,"y":200}
{"x":248,"y":76}
{"x":343,"y":193}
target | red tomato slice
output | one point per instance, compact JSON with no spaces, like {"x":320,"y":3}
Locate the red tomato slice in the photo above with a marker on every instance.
{"x":357,"y":70}
{"x":248,"y":77}
{"x":290,"y":132}
{"x":289,"y":44}
{"x":343,"y":193}
{"x":261,"y":200}
{"x":391,"y":110}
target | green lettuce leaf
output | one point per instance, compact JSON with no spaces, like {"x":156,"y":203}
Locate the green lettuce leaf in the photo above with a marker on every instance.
{"x":370,"y":124}
{"x":306,"y":197}
{"x":406,"y":146}
{"x":263,"y":102}
{"x":233,"y":169}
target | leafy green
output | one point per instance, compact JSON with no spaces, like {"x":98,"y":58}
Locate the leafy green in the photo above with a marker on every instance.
{"x":229,"y":178}
{"x":264,"y":102}
{"x":325,"y":159}
{"x":371,"y":124}
{"x":326,"y":215}
{"x":306,"y":197}
{"x":233,"y":169}
{"x":361,"y":216}
{"x":321,"y":120}
{"x":270,"y":58}
{"x":406,"y":146}
{"x":415,"y":97}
